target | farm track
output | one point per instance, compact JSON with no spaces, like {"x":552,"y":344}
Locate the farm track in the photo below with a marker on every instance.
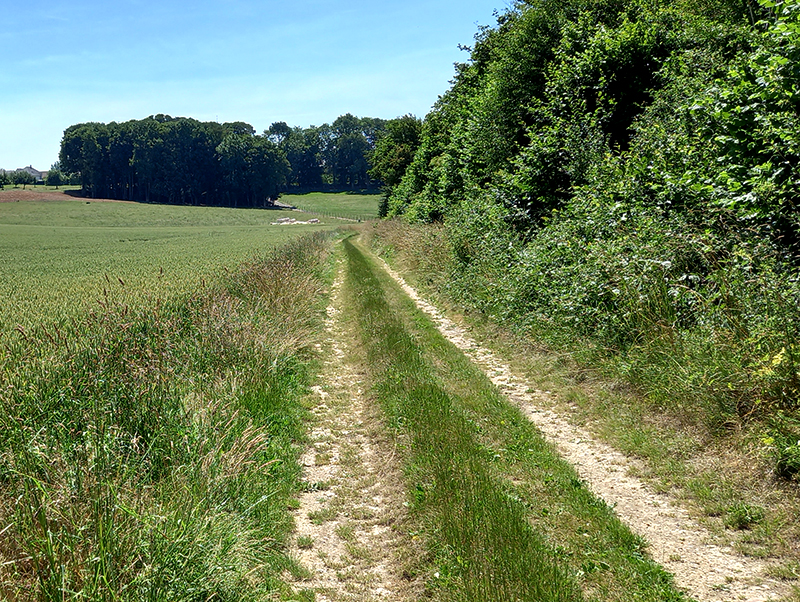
{"x":707,"y":572}
{"x":349,"y":523}
{"x":350,"y":534}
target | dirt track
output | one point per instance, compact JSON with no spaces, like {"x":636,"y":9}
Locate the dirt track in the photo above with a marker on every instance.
{"x":707,"y":572}
{"x":15,"y":195}
{"x":349,"y":525}
{"x":352,"y":552}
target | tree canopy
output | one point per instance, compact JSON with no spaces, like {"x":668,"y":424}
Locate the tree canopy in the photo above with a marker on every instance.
{"x":22,"y":177}
{"x":560,"y":96}
{"x":54,"y":178}
{"x":628,"y":172}
{"x":181,"y":160}
{"x":394,"y":151}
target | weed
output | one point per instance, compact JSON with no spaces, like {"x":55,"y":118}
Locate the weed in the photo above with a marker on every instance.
{"x":316,"y":486}
{"x":784,"y":443}
{"x":362,"y":513}
{"x":789,"y":571}
{"x":346,"y":531}
{"x":703,"y":328}
{"x":358,"y":552}
{"x":324,"y":515}
{"x":303,"y":595}
{"x":743,"y":516}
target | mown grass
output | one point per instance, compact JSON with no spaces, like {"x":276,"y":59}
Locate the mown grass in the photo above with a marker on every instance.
{"x":505,"y":517}
{"x":149,"y":451}
{"x":726,"y":473}
{"x":346,"y":205}
{"x":57,"y":258}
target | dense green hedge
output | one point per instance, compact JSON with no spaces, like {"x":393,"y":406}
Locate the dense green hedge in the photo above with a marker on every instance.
{"x":627,"y":172}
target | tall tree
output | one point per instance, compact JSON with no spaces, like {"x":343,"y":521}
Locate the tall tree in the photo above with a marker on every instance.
{"x":352,"y":140}
{"x":254,"y":169}
{"x":54,"y":175}
{"x":278,"y":132}
{"x":395,"y":150}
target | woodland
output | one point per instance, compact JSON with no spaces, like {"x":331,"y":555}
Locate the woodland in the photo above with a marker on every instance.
{"x":180,"y":160}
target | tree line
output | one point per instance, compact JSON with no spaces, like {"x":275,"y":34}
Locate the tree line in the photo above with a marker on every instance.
{"x":163,"y":159}
{"x":17,"y":178}
{"x":685,"y":109}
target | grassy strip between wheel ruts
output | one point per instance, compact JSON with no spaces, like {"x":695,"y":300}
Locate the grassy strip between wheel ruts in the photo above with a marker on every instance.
{"x":150,"y":453}
{"x":505,"y":517}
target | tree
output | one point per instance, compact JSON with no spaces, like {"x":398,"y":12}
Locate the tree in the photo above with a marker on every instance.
{"x":232,"y":153}
{"x":54,"y":177}
{"x":267,"y":173}
{"x":254,"y":169}
{"x":352,"y":140}
{"x":84,"y":150}
{"x":4,"y":180}
{"x":278,"y":132}
{"x":22,"y":177}
{"x":146,"y":158}
{"x":302,"y":150}
{"x":239,"y":127}
{"x":395,"y":150}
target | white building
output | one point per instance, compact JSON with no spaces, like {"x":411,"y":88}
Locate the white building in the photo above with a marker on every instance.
{"x":40,"y":176}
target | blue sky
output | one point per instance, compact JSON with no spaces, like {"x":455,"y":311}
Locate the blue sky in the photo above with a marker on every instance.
{"x":304,"y":62}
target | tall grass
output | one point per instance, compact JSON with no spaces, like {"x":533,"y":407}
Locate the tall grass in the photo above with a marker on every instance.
{"x":148,"y":454}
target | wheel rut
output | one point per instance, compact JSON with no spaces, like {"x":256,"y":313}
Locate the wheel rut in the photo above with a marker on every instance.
{"x":350,"y":537}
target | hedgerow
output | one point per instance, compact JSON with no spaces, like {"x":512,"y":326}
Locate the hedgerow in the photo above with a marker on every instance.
{"x":625,"y":174}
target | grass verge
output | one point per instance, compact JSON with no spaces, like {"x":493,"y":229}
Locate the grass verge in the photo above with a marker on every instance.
{"x":504,"y":516}
{"x":150,"y":453}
